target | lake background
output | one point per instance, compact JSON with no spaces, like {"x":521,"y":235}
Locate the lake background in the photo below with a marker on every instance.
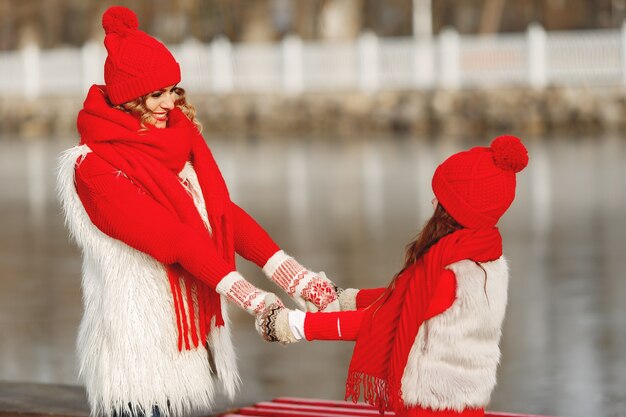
{"x":348,"y":206}
{"x":328,"y":118}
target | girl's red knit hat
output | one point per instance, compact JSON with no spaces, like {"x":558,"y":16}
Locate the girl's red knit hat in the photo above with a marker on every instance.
{"x":477,"y":186}
{"x":137,"y":64}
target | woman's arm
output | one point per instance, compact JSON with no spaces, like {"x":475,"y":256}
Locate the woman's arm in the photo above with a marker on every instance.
{"x":311,"y":290}
{"x":125,"y":212}
{"x":251,"y":241}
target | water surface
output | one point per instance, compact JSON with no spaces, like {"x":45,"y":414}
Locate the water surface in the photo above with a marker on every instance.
{"x":348,"y":207}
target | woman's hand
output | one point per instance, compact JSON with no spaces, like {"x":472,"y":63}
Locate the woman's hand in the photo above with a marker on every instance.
{"x":245,"y":295}
{"x":274,"y":324}
{"x":310,"y":290}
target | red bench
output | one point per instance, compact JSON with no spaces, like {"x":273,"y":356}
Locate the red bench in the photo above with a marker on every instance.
{"x":303,"y":407}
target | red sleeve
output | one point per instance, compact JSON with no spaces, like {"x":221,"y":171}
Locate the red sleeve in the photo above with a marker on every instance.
{"x":366,"y":297}
{"x":123,"y":211}
{"x":251,"y":240}
{"x":339,"y":325}
{"x":443,"y":296}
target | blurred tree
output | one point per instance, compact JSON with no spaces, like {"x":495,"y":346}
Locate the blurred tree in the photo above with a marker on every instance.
{"x":491,"y":16}
{"x":53,"y":23}
{"x":341,"y":19}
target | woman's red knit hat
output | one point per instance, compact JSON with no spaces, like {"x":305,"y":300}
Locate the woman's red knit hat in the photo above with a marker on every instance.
{"x":137,"y":64}
{"x":477,"y":186}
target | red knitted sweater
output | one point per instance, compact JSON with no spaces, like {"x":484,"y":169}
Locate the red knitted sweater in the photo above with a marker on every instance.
{"x":123,"y":211}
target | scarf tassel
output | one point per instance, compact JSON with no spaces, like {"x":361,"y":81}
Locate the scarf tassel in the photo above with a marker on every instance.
{"x":376,"y":392}
{"x":192,"y":331}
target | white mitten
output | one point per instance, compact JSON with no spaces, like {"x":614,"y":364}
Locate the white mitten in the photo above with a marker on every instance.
{"x":245,"y":295}
{"x":347,"y":298}
{"x":310,"y":290}
{"x":274,"y":325}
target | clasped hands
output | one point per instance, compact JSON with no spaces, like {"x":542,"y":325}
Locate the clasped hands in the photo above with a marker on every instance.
{"x":276,"y":323}
{"x":311,"y":292}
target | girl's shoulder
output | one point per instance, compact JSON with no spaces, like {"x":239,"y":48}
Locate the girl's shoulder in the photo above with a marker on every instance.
{"x":467,"y":266}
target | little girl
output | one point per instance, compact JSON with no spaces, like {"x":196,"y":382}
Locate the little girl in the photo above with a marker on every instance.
{"x":427,"y":345}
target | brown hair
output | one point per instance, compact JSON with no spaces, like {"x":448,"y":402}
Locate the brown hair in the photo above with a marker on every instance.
{"x":137,"y":107}
{"x":439,"y":225}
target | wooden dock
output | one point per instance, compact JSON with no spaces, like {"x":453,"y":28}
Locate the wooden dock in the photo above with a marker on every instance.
{"x":39,"y":400}
{"x":46,"y":400}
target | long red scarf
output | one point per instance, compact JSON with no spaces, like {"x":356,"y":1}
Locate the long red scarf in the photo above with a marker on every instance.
{"x":152,"y":159}
{"x":391,"y":324}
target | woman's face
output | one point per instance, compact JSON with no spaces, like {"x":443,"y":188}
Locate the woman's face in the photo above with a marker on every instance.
{"x":434,"y":203}
{"x":159,"y":103}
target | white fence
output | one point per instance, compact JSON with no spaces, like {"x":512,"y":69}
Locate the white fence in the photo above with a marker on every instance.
{"x":535,"y":58}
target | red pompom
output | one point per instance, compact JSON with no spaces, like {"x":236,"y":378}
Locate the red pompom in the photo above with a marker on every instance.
{"x":120,"y":20}
{"x":509,"y":153}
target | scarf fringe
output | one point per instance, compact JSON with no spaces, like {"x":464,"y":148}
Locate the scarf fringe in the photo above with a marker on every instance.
{"x":196,"y":293}
{"x":376,"y":392}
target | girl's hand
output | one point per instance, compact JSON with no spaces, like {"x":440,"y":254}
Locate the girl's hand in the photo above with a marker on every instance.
{"x":347,"y":298}
{"x":274,"y":325}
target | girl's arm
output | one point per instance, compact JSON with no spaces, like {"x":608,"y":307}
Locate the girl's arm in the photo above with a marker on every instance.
{"x":366,"y":297}
{"x":355,"y":299}
{"x":278,"y":324}
{"x":341,"y":325}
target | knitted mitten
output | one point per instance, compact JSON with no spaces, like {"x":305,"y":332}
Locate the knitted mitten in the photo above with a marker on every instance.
{"x":245,"y":295}
{"x":310,"y":290}
{"x":273,"y":325}
{"x":347,"y":298}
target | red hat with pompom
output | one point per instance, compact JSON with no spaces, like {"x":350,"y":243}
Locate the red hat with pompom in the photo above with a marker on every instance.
{"x":477,"y":186}
{"x":137,"y":64}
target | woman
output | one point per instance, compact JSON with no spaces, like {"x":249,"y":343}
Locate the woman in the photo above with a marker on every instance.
{"x":427,"y":345}
{"x":148,"y":206}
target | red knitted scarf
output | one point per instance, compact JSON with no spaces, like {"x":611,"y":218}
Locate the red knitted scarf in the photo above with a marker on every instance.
{"x":391,"y":324}
{"x":152,"y":158}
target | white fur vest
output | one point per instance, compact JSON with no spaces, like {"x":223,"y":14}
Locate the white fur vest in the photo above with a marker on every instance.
{"x":127,"y":341}
{"x":453,"y":361}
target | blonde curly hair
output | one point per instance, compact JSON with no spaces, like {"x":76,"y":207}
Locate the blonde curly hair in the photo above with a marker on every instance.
{"x":137,"y":107}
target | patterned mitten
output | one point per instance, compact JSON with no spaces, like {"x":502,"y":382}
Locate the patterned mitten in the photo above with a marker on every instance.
{"x":273,"y":325}
{"x":310,"y":290}
{"x":245,"y":295}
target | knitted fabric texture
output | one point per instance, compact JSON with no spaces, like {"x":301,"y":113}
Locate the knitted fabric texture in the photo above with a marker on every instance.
{"x":137,"y":63}
{"x":477,"y":186}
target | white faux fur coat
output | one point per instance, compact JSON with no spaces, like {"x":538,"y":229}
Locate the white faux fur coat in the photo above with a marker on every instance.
{"x":127,"y":341}
{"x":438,"y":374}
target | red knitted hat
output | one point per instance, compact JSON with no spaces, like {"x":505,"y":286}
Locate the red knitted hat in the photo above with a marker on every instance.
{"x":137,"y":64}
{"x":477,"y":186}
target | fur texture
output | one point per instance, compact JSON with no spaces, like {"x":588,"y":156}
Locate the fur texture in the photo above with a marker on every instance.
{"x":347,"y":299}
{"x":136,"y":361}
{"x":438,"y":374}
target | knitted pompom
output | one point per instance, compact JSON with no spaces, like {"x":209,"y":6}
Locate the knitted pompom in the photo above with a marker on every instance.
{"x":120,"y":20}
{"x":509,"y":153}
